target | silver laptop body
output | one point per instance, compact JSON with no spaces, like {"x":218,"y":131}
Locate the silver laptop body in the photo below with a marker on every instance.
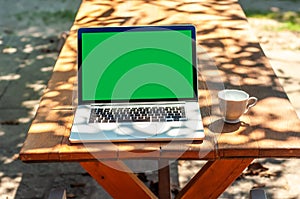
{"x":137,"y":84}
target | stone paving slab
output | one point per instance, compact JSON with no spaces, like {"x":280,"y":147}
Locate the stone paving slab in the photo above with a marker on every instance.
{"x":28,"y":71}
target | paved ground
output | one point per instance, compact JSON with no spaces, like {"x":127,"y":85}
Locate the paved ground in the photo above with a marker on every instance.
{"x":29,"y":45}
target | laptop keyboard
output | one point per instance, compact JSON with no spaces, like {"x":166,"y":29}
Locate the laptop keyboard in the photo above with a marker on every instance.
{"x":137,"y":114}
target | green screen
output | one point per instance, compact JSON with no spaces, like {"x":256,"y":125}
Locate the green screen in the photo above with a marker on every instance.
{"x":137,"y":65}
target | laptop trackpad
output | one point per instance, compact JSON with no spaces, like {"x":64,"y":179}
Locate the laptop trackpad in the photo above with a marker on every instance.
{"x":137,"y":129}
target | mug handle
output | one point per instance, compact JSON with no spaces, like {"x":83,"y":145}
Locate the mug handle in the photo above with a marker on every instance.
{"x":249,"y":105}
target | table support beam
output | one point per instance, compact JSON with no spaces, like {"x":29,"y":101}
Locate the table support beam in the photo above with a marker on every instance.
{"x":117,"y":179}
{"x":164,"y":179}
{"x":214,"y":177}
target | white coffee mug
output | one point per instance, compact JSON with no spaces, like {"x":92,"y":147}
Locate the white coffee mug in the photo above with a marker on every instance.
{"x":234,"y":103}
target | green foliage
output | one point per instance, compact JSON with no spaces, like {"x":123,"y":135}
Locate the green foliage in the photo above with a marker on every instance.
{"x":47,"y":17}
{"x":289,"y":20}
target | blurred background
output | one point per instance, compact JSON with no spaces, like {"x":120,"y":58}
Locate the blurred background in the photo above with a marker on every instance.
{"x":31,"y":36}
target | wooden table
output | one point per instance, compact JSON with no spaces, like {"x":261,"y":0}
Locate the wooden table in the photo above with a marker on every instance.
{"x":270,"y":129}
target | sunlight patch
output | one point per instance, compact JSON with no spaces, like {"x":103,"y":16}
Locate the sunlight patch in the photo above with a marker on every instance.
{"x":46,"y":69}
{"x":9,"y":185}
{"x":36,"y":87}
{"x":28,"y":49}
{"x":10,"y":77}
{"x":23,"y":120}
{"x":9,"y":50}
{"x":30,"y":103}
{"x":10,"y":159}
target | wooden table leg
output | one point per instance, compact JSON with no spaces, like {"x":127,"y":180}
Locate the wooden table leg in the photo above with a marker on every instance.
{"x":213,"y":178}
{"x":164,"y":191}
{"x":117,"y":179}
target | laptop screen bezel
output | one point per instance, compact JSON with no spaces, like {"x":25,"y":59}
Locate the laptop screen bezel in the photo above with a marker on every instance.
{"x":137,"y":28}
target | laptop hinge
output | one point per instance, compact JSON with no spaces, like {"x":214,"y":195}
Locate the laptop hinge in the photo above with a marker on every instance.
{"x":138,"y":103}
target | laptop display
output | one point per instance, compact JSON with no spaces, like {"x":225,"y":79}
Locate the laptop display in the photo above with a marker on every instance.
{"x":137,"y":64}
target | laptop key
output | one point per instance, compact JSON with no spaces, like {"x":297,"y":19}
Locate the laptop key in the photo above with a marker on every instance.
{"x":124,"y":120}
{"x":141,"y":120}
{"x":169,"y":119}
{"x":155,"y":120}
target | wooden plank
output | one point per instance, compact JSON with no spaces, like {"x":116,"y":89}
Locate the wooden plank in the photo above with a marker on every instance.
{"x":214,"y":177}
{"x":166,"y":150}
{"x":117,"y":179}
{"x":45,"y":135}
{"x":61,"y":92}
{"x":47,"y":140}
{"x":88,"y":152}
{"x":138,"y":150}
{"x":164,"y":186}
{"x":189,"y":150}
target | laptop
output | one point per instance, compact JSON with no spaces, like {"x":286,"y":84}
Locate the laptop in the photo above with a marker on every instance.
{"x":137,"y":83}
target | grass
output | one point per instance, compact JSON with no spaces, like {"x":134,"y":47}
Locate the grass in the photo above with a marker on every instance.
{"x":48,"y":17}
{"x":288,"y":20}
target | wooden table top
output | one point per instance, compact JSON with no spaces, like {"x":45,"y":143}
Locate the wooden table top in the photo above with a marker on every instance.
{"x":229,"y":57}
